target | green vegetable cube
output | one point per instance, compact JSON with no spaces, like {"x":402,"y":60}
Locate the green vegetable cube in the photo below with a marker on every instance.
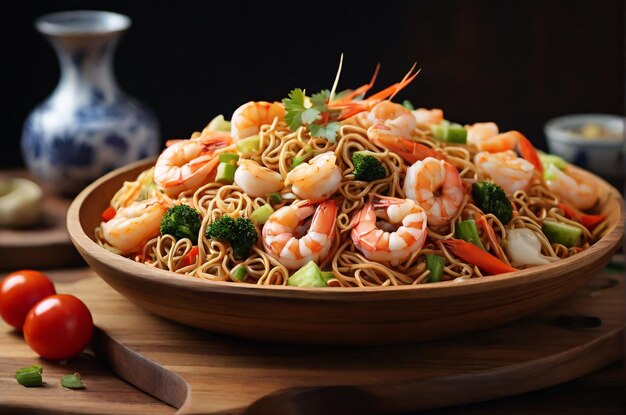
{"x":309,"y":275}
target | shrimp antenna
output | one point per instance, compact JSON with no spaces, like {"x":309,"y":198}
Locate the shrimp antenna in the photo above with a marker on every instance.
{"x":332,"y":91}
{"x":408,"y":78}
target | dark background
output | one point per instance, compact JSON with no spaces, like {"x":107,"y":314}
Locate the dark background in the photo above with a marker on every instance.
{"x":518,"y":63}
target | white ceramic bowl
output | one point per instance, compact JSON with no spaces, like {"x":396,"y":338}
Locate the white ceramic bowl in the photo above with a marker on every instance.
{"x":602,"y":155}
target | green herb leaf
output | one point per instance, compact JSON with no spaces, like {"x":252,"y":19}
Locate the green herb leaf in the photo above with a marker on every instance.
{"x":294,"y":107}
{"x":319,"y":100}
{"x":72,"y":381}
{"x":29,"y":376}
{"x":309,"y":116}
{"x":327,"y":131}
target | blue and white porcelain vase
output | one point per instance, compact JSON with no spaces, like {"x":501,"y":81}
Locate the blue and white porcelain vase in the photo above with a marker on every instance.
{"x":88,"y":126}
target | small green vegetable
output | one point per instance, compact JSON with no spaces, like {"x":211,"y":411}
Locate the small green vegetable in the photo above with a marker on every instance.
{"x":367,"y":167}
{"x":72,"y":381}
{"x":262,"y":214}
{"x":548,"y":159}
{"x":274,"y":198}
{"x":296,"y":162}
{"x":239,"y":233}
{"x":434,"y":263}
{"x":29,"y":376}
{"x":309,"y":275}
{"x":449,"y":132}
{"x":225,"y":173}
{"x":327,"y":275}
{"x":561,"y":233}
{"x":229,"y":158}
{"x":467,"y":231}
{"x":490,"y":198}
{"x":218,"y":124}
{"x":240,"y":272}
{"x":249,"y":145}
{"x":408,"y":105}
{"x":181,"y":221}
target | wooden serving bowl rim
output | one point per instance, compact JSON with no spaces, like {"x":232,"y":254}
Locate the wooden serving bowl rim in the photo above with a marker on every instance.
{"x":151,"y":275}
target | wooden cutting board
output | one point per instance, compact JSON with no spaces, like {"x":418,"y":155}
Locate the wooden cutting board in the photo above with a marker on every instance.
{"x":200,"y":372}
{"x":44,"y":245}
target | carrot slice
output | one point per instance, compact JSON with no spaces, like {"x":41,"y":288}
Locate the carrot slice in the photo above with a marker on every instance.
{"x":474,"y":255}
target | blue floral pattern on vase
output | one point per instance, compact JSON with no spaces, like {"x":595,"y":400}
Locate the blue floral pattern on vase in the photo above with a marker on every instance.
{"x":88,"y":126}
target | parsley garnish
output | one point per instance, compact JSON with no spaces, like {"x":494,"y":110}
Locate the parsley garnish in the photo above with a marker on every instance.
{"x":311,"y":112}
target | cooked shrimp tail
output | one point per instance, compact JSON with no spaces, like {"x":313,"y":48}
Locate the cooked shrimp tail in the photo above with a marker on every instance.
{"x":528,"y":151}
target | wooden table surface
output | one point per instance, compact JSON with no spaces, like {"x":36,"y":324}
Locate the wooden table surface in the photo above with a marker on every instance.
{"x":601,"y":392}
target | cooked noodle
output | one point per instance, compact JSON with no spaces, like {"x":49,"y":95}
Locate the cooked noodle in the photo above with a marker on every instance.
{"x":279,"y":146}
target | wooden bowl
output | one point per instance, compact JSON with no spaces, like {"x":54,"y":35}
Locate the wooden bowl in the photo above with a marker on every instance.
{"x":347,"y":316}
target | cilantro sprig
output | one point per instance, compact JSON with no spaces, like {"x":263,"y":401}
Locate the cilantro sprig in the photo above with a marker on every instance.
{"x":312,"y":112}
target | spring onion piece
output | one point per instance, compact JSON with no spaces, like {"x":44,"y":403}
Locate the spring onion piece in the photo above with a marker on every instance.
{"x":434,"y":263}
{"x":467,"y":231}
{"x":229,"y":158}
{"x":274,"y":198}
{"x":309,"y":275}
{"x":241,"y":273}
{"x":296,"y":162}
{"x":29,"y":376}
{"x":408,"y":105}
{"x":225,"y":173}
{"x":327,"y":275}
{"x":218,"y":124}
{"x":561,"y":233}
{"x":548,"y":159}
{"x":262,"y":214}
{"x":72,"y":381}
{"x":249,"y":145}
{"x":449,"y":132}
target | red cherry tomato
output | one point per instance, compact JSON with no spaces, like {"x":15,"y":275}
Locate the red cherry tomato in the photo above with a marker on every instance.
{"x":58,"y":327}
{"x":19,"y":291}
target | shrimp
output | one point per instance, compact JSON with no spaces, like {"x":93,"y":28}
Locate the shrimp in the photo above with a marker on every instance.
{"x":409,"y":150}
{"x":282,"y":233}
{"x":426,"y":116}
{"x":486,"y":138}
{"x":316,"y":180}
{"x":436,"y":186}
{"x":188,"y":164}
{"x":134,"y":224}
{"x":257,"y":180}
{"x":482,"y":133}
{"x":510,"y":172}
{"x":248,"y":118}
{"x":394,"y":116}
{"x":389,"y":246}
{"x":572,"y":187}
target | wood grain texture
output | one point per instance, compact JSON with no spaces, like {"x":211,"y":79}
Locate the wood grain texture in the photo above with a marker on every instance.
{"x":45,"y":245}
{"x":104,"y":393}
{"x":205,"y":373}
{"x":348,"y":316}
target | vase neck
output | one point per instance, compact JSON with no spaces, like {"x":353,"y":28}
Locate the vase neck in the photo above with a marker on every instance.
{"x":87,"y":67}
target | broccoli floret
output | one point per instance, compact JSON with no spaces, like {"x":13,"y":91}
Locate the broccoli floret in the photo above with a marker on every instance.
{"x":239,"y":233}
{"x":490,"y":198}
{"x":367,"y":167}
{"x":181,"y":221}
